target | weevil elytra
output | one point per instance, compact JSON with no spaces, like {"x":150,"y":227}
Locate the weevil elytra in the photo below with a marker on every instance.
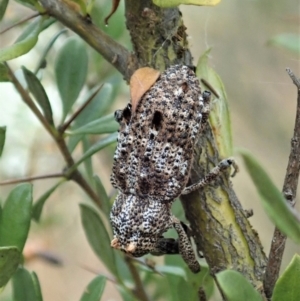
{"x":152,"y":164}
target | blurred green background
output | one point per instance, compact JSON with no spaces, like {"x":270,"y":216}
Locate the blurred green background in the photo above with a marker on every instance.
{"x":262,"y":101}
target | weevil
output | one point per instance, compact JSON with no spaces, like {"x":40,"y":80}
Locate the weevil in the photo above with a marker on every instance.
{"x":152,"y":163}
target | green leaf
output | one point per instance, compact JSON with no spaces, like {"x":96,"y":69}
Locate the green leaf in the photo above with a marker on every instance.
{"x":32,"y":4}
{"x":9,"y":261}
{"x":37,"y":286}
{"x":4,"y":77}
{"x":94,"y":290}
{"x":236,"y":288}
{"x":39,"y":93}
{"x":47,"y":49}
{"x":39,"y":204}
{"x":289,"y":41}
{"x":219,"y":116}
{"x":3,"y":5}
{"x":97,"y":236}
{"x":2,"y":138}
{"x":96,"y":147}
{"x":88,"y":166}
{"x":172,"y":3}
{"x":287,"y":286}
{"x":71,"y":71}
{"x":25,"y":286}
{"x":126,"y":294}
{"x":26,"y":40}
{"x":275,"y":205}
{"x":102,"y":195}
{"x":173,"y":270}
{"x":16,"y":216}
{"x":96,"y":108}
{"x":103,"y":125}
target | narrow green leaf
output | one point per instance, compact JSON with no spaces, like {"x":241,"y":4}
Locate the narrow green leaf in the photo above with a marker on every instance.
{"x":289,"y":41}
{"x":32,"y":4}
{"x":103,"y":125}
{"x":39,"y":204}
{"x":275,"y":205}
{"x":16,"y":216}
{"x":287,"y":286}
{"x":103,"y":195}
{"x":219,"y":116}
{"x":46,"y":22}
{"x":37,"y":287}
{"x":94,"y":290}
{"x":173,"y":3}
{"x":39,"y":93}
{"x":47,"y":49}
{"x":97,"y":108}
{"x":96,"y":147}
{"x":97,"y":236}
{"x":126,"y":294}
{"x":173,"y":270}
{"x":26,"y":41}
{"x":24,"y":286}
{"x":71,"y":71}
{"x":3,"y":5}
{"x":236,"y":288}
{"x":9,"y":261}
{"x":2,"y":138}
{"x":4,"y":77}
{"x":88,"y":166}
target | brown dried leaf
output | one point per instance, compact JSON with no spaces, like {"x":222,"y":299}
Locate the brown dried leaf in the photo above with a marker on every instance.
{"x":114,"y":8}
{"x":140,"y":82}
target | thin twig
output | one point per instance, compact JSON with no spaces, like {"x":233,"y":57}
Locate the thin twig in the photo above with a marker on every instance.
{"x":21,"y":22}
{"x":126,"y":63}
{"x":97,"y":272}
{"x":30,"y":179}
{"x":289,"y":191}
{"x":80,"y":109}
{"x":138,"y":291}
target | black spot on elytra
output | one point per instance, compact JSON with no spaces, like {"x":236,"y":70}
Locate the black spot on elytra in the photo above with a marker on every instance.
{"x":157,"y":120}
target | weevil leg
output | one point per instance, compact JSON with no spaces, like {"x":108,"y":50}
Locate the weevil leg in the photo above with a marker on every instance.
{"x":165,"y":246}
{"x":212,"y":175}
{"x":185,"y":247}
{"x":206,"y":108}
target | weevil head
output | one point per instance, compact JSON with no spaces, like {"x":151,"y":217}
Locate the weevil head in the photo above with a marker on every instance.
{"x":138,"y":223}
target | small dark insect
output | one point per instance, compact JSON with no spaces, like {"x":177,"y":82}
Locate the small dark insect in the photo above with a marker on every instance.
{"x":152,"y":164}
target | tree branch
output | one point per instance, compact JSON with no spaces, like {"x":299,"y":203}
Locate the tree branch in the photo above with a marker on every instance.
{"x":112,"y":51}
{"x":289,"y":190}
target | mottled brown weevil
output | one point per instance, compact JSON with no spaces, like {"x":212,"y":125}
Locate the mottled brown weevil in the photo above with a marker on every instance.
{"x":152,"y":164}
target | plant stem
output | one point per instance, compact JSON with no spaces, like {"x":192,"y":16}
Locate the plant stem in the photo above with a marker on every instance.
{"x":63,"y":128}
{"x":29,"y":179}
{"x":21,"y":22}
{"x":113,"y":52}
{"x":138,"y":291}
{"x":289,"y":190}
